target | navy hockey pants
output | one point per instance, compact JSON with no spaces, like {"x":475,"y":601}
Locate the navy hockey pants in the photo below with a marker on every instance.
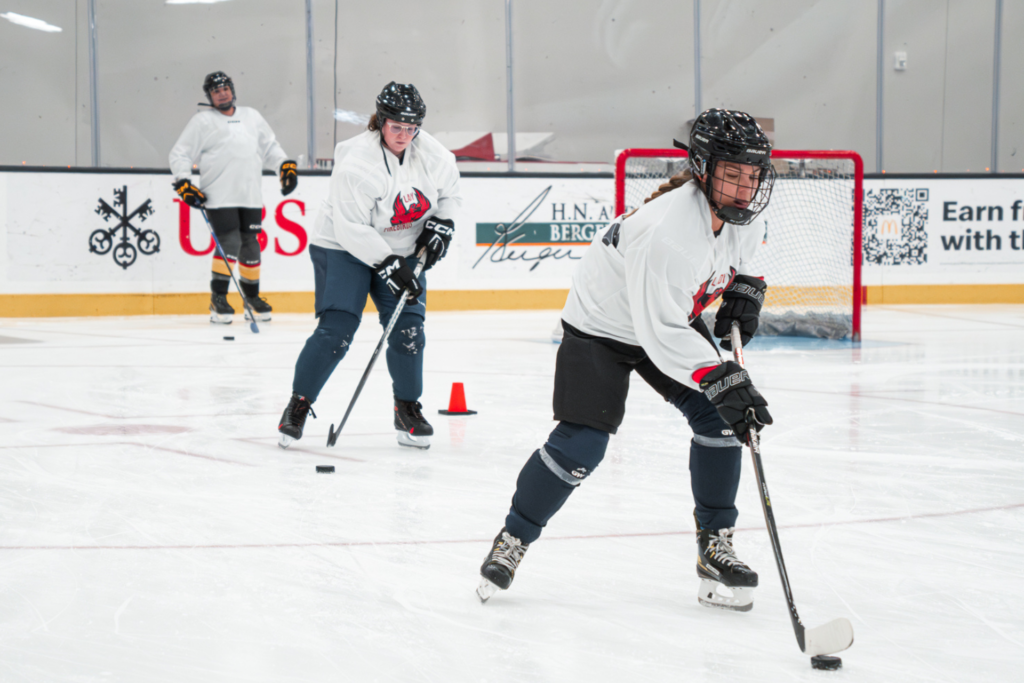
{"x":342,"y":283}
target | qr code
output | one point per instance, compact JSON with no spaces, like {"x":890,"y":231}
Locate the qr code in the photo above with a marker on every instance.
{"x":895,"y":227}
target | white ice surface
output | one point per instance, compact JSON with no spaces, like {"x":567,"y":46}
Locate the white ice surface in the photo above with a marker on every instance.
{"x":151,"y":530}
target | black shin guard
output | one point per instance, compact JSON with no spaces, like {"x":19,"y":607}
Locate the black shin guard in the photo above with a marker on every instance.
{"x":552,"y":473}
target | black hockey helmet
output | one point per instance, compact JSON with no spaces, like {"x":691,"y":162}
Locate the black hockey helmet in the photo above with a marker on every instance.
{"x":219,"y":79}
{"x":402,"y":103}
{"x":725,"y":135}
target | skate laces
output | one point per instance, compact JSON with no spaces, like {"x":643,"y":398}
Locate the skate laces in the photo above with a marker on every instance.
{"x":414,"y":409}
{"x":720,"y":548}
{"x":508,"y":551}
{"x":300,"y":408}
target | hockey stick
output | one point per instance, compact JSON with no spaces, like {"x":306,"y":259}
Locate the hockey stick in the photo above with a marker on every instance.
{"x":836,"y":635}
{"x":223,"y":255}
{"x":332,"y":436}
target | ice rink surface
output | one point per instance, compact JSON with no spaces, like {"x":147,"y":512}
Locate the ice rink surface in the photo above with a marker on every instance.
{"x":153,"y":531}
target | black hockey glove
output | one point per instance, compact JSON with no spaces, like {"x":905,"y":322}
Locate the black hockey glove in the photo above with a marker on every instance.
{"x":189,"y":193}
{"x":436,"y":236}
{"x":730,"y":390}
{"x":741,"y":303}
{"x":398,"y":276}
{"x":289,"y":177}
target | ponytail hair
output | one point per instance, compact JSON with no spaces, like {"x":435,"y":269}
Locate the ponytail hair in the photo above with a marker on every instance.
{"x":375,"y":123}
{"x":675,"y":182}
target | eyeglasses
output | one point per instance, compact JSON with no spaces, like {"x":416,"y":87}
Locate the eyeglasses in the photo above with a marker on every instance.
{"x":397,"y":129}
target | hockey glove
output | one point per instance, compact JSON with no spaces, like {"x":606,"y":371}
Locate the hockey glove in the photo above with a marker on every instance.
{"x":398,"y":276}
{"x":289,"y":177}
{"x":741,"y":302}
{"x":730,"y":390}
{"x":189,"y":193}
{"x":436,"y":236}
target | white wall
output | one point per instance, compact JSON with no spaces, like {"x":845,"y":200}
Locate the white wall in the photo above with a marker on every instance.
{"x":600,"y":74}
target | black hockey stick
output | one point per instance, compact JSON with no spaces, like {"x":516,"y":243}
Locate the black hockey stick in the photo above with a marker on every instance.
{"x":836,"y":635}
{"x":332,"y":436}
{"x":223,"y":255}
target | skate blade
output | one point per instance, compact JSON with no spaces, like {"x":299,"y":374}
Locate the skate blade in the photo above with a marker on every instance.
{"x":285,"y":441}
{"x":220,"y":319}
{"x":711,"y":595}
{"x":260,"y":317}
{"x":407,"y":439}
{"x":835,"y":636}
{"x":485,"y":590}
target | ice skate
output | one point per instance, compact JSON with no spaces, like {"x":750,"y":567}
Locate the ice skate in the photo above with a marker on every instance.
{"x":499,"y":568}
{"x":221,"y":311}
{"x":412,"y":428}
{"x":260,"y":307}
{"x":294,"y":419}
{"x":726,"y":583}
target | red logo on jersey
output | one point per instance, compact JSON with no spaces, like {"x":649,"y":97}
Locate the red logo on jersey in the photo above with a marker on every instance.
{"x":407,"y":214}
{"x":711,"y":290}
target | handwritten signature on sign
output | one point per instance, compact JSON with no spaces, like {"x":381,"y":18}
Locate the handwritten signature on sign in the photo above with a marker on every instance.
{"x":509,"y":234}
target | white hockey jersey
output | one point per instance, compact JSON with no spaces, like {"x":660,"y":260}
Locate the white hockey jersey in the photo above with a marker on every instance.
{"x":231,"y":152}
{"x":667,"y":268}
{"x":377,"y":205}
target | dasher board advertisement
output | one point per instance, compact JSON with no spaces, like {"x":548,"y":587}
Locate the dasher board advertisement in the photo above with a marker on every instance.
{"x":110,"y":232}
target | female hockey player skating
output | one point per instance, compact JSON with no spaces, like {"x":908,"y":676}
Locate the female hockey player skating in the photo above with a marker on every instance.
{"x":635,"y":304}
{"x":394,"y":191}
{"x":231,"y":144}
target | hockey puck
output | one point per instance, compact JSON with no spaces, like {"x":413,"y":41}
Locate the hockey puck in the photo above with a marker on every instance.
{"x":330,"y":468}
{"x":826,"y":663}
{"x":229,"y":339}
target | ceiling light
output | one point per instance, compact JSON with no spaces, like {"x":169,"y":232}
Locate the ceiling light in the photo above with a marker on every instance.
{"x":30,"y":22}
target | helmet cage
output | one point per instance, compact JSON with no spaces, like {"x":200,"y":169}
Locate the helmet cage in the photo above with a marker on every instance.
{"x":720,"y":135}
{"x":734,"y":214}
{"x":219,"y":79}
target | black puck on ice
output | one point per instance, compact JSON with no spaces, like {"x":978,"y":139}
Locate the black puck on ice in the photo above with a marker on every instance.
{"x":229,"y":339}
{"x":330,"y":468}
{"x":826,"y":663}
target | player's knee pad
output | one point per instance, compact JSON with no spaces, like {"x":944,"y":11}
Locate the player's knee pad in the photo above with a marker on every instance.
{"x":551,"y":475}
{"x":709,"y":429}
{"x":573,"y":451}
{"x":231,"y":243}
{"x":336,"y":329}
{"x":408,"y":337}
{"x":249,"y":252}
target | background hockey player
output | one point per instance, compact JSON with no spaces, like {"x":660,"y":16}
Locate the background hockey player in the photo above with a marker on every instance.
{"x":635,"y":304}
{"x":231,"y":145}
{"x":394,"y":190}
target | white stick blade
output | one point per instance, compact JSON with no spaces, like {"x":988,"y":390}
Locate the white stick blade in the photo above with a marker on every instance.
{"x":835,"y":636}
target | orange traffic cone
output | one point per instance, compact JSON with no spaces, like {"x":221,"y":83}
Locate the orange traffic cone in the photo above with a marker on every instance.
{"x":457,"y":403}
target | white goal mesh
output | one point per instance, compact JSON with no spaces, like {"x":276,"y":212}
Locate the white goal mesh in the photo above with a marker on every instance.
{"x":811,"y":256}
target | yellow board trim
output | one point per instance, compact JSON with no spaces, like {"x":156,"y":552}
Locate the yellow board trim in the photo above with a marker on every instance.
{"x":75,"y":305}
{"x":946,"y":294}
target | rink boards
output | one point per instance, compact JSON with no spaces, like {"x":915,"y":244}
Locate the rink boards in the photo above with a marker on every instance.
{"x":118,"y":241}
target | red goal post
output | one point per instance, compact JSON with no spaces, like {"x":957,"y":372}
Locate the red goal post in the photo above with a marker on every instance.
{"x":811,"y":257}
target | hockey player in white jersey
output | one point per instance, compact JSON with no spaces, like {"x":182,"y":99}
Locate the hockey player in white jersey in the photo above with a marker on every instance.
{"x":394,"y":190}
{"x":635,"y":304}
{"x":231,"y":145}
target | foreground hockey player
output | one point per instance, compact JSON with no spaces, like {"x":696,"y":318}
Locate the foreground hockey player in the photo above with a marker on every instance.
{"x":231,"y":144}
{"x":635,"y":304}
{"x":394,"y":191}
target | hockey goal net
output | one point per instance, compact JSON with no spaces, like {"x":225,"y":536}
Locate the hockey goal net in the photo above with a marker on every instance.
{"x":811,"y":257}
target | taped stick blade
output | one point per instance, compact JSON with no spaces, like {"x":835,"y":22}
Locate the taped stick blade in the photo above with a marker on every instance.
{"x":835,"y":636}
